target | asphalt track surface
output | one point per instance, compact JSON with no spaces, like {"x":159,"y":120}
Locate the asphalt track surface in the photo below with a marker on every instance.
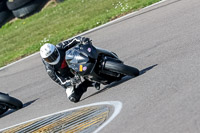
{"x":161,"y":41}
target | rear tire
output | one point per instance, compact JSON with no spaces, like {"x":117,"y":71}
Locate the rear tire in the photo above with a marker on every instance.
{"x":9,"y":101}
{"x":121,"y":68}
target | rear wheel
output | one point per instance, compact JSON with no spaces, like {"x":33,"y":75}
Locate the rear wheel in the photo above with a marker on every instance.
{"x":121,"y":68}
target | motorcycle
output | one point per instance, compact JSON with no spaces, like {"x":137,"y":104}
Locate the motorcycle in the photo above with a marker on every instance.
{"x":97,"y":65}
{"x":7,"y":102}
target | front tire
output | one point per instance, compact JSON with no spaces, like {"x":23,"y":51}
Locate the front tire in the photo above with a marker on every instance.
{"x":10,"y":102}
{"x":3,"y":108}
{"x":121,"y":68}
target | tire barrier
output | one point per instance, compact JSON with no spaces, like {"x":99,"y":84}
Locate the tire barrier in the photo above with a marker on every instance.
{"x":3,"y":6}
{"x":15,"y":4}
{"x":29,"y":8}
{"x":20,"y":8}
{"x":5,"y":16}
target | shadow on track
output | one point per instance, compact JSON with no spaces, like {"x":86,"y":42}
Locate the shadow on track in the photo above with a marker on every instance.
{"x":147,"y":69}
{"x":10,"y":111}
{"x":124,"y":79}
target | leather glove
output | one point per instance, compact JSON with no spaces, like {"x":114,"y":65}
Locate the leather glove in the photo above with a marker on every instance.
{"x":85,"y":40}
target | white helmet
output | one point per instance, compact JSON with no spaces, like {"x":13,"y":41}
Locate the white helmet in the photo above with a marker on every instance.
{"x":50,"y":53}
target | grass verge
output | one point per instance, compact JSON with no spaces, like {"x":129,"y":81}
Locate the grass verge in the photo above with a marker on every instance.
{"x":58,"y":22}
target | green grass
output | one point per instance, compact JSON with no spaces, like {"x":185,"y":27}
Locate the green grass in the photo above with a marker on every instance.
{"x":58,"y":22}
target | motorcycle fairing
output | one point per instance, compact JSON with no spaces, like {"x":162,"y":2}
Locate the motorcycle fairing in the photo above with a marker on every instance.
{"x":82,"y":58}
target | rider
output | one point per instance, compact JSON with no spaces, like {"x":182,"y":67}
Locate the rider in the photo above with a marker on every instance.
{"x":53,"y":58}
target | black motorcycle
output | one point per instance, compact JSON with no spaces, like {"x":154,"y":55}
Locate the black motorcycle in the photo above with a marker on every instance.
{"x":7,"y":102}
{"x":97,"y":65}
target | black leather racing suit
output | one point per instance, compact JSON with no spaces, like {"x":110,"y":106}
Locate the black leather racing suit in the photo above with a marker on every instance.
{"x":60,"y":72}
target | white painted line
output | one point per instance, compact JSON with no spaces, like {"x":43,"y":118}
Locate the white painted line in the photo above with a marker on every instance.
{"x":18,"y":61}
{"x":116,"y":104}
{"x":99,"y":27}
{"x":121,"y":18}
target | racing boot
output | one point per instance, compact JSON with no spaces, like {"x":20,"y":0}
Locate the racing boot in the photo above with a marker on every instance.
{"x":70,"y":93}
{"x":76,"y":94}
{"x":97,"y":86}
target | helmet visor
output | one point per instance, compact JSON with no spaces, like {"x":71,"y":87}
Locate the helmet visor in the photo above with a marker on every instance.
{"x":52,"y":57}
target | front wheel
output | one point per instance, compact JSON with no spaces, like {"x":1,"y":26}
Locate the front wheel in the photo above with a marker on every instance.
{"x":121,"y":68}
{"x":3,"y":108}
{"x":10,"y":102}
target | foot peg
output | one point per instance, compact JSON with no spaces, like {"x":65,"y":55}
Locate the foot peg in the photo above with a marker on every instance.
{"x":97,"y":86}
